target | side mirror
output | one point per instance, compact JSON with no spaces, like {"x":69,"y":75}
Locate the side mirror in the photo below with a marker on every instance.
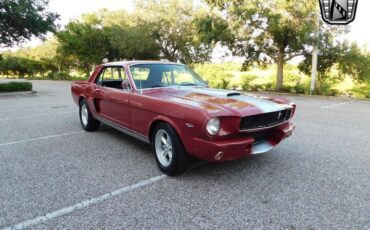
{"x":125,"y":85}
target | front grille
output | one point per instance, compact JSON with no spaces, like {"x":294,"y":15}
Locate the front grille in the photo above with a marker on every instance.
{"x":265,"y":120}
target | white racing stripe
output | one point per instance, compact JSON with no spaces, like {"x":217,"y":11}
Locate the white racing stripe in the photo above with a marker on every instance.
{"x":84,"y":204}
{"x":334,"y":105}
{"x":266,"y":106}
{"x":40,"y":138}
{"x":36,"y":115}
{"x":263,"y":104}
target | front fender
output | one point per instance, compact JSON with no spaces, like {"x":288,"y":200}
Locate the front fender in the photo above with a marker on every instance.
{"x":185,"y":130}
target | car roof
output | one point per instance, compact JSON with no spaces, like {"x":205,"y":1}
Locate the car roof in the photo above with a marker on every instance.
{"x":134,"y":62}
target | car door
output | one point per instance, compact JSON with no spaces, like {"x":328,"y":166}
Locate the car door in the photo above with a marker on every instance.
{"x":112,"y":101}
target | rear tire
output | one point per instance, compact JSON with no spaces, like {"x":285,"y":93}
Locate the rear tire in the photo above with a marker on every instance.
{"x":170,"y":154}
{"x":88,"y":122}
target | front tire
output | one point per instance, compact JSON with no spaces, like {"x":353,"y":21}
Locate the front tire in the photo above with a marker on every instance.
{"x":171,"y":156}
{"x":88,"y":122}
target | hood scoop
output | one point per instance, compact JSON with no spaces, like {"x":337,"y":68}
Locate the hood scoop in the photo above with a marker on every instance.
{"x":215,"y":92}
{"x":233,"y":94}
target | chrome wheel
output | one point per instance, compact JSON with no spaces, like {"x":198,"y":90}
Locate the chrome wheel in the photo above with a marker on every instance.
{"x":84,"y":114}
{"x":163,"y":147}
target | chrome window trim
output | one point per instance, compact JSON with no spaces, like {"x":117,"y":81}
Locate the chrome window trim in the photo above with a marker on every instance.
{"x":159,"y":63}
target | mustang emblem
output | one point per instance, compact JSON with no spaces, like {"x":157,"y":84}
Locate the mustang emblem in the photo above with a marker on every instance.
{"x":279,"y":115}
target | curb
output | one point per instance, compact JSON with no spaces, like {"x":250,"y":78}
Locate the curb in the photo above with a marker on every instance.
{"x":18,"y":93}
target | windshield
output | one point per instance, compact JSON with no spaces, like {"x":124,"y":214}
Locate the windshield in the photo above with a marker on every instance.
{"x":164,"y":75}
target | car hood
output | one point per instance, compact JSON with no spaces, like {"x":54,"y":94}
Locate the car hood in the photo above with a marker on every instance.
{"x":221,"y":101}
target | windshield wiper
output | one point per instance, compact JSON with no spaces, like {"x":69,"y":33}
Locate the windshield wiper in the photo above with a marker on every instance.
{"x":188,"y":84}
{"x":158,"y":85}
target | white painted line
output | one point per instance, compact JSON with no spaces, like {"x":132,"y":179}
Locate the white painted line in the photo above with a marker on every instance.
{"x":334,"y":105}
{"x":40,"y":138}
{"x":84,"y":204}
{"x":37,"y":115}
{"x":30,"y":105}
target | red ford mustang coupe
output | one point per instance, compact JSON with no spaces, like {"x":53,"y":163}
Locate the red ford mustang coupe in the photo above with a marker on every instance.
{"x":170,"y":107}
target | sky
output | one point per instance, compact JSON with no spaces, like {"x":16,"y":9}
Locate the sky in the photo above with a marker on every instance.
{"x":71,"y":9}
{"x":360,"y":27}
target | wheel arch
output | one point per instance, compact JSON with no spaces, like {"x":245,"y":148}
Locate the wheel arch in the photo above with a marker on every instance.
{"x":81,"y":98}
{"x":163,"y":119}
{"x":90,"y":104}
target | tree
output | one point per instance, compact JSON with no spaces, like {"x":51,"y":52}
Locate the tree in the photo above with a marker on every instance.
{"x":19,"y":66}
{"x":347,"y":59}
{"x":182,"y":31}
{"x":22,"y":19}
{"x":328,"y":54}
{"x":129,"y":37}
{"x":133,"y":42}
{"x":85,"y":43}
{"x":115,"y":35}
{"x":269,"y":31}
{"x":354,"y":63}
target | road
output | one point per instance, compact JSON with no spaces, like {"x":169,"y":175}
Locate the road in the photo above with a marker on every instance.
{"x":53,"y":175}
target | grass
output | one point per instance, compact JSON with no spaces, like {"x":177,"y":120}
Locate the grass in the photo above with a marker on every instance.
{"x":50,"y":76}
{"x":15,"y":86}
{"x":229,"y":76}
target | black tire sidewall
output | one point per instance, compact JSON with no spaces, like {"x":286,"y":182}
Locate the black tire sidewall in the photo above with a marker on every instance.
{"x":180,"y":159}
{"x":82,"y":102}
{"x":92,"y":124}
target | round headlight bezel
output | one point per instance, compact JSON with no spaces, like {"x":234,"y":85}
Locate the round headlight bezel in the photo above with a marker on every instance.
{"x":213,"y":126}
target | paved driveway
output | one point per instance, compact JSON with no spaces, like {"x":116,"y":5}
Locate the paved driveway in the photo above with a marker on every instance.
{"x":54,"y":175}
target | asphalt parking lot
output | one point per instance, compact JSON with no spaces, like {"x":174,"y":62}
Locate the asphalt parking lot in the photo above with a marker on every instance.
{"x":53,"y":175}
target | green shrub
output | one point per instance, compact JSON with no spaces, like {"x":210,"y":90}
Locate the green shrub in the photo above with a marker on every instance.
{"x":363,"y":90}
{"x":299,"y":89}
{"x":246,"y":85}
{"x":326,"y":89}
{"x":225,"y":84}
{"x":58,"y":76}
{"x":261,"y":87}
{"x":15,"y":86}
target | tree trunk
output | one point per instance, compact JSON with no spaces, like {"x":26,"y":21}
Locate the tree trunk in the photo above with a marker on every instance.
{"x":315,"y":52}
{"x":314,"y":69}
{"x":280,"y":72}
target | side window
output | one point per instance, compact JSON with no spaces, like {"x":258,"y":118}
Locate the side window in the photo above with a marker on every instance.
{"x":113,"y":74}
{"x":112,"y":77}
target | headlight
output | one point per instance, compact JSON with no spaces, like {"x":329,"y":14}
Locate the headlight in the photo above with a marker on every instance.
{"x":213,"y":126}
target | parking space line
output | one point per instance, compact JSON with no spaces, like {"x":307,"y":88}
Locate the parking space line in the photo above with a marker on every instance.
{"x":334,"y":105}
{"x":84,"y":204}
{"x":37,"y":115}
{"x":40,"y":138}
{"x":29,"y":105}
